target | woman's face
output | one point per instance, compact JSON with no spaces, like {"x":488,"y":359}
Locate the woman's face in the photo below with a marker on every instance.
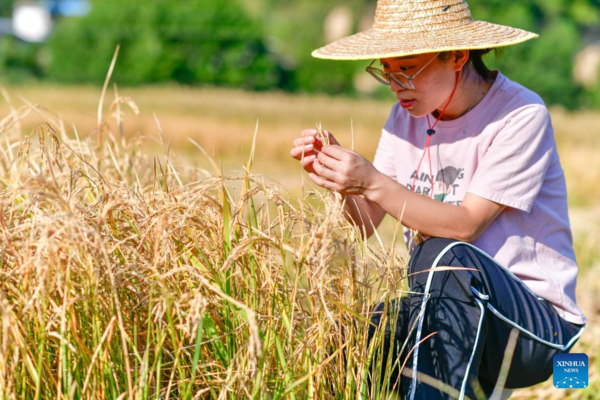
{"x":433,"y":85}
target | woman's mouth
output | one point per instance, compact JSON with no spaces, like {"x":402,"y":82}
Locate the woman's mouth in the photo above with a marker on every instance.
{"x":407,"y":103}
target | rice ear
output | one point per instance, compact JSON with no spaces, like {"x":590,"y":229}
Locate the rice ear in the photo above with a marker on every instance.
{"x":323,"y":137}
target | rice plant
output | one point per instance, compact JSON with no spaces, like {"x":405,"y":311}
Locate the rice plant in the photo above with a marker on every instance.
{"x":130,"y":276}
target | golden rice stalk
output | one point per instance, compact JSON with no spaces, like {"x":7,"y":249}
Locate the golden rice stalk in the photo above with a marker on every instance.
{"x":322,"y":136}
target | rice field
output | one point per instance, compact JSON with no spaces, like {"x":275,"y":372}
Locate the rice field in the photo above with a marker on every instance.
{"x":168,"y":247}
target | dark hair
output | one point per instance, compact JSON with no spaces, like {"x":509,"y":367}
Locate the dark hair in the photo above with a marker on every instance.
{"x":476,"y":60}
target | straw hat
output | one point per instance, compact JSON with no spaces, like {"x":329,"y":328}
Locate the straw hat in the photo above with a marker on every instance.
{"x":407,"y":27}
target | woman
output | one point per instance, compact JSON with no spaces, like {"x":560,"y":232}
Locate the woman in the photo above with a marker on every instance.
{"x":468,"y":159}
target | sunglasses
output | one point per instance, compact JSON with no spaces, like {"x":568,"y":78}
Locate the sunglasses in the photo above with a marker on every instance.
{"x":400,"y":78}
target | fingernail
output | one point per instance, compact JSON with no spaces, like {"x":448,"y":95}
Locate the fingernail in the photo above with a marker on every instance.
{"x":309,"y":147}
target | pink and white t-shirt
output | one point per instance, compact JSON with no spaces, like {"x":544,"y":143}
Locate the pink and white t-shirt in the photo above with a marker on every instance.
{"x":503,"y":150}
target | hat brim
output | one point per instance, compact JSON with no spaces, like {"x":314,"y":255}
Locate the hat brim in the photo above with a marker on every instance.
{"x":377,"y":43}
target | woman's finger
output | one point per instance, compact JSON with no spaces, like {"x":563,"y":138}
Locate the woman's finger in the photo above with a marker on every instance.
{"x":297,"y":152}
{"x":309,"y":132}
{"x":304,"y":149}
{"x":330,"y":162}
{"x":337,"y":152}
{"x":324,"y":183}
{"x":325,"y":172}
{"x":306,"y":161}
{"x":304,"y":140}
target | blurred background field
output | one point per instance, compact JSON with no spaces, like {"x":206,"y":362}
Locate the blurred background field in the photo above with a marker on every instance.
{"x":209,"y":70}
{"x":266,"y":44}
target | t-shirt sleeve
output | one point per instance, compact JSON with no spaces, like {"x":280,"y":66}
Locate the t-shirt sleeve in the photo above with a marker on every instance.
{"x":384,"y":160}
{"x":514,"y":167}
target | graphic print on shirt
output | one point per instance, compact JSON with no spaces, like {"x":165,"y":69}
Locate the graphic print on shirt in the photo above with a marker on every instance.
{"x":446,"y":183}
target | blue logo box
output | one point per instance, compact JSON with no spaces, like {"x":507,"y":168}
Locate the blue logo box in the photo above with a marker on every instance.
{"x":571,"y":371}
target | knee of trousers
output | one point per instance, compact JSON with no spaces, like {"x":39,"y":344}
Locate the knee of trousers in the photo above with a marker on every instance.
{"x":434,"y":252}
{"x":426,"y":253}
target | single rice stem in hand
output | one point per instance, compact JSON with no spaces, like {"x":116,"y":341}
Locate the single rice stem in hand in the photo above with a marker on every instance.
{"x":323,"y":137}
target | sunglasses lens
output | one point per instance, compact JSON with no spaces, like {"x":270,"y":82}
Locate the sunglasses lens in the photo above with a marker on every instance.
{"x":403,"y":82}
{"x":379,"y":75}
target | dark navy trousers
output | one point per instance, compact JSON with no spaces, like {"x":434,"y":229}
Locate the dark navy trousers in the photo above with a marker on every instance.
{"x":473,"y":313}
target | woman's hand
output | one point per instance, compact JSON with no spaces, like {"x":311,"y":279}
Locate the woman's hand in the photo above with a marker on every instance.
{"x":306,"y":148}
{"x":345,"y":171}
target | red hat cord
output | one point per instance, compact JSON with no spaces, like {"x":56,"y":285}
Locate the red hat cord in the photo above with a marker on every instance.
{"x":430,"y":133}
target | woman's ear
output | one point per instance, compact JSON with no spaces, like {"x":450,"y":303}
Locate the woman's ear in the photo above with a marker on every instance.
{"x":459,"y":59}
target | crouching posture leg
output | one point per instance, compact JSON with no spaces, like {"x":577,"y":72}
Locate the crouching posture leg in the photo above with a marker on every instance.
{"x":457,"y":324}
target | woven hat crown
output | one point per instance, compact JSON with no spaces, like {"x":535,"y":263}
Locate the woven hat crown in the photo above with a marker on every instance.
{"x":421,"y":15}
{"x":406,"y":27}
